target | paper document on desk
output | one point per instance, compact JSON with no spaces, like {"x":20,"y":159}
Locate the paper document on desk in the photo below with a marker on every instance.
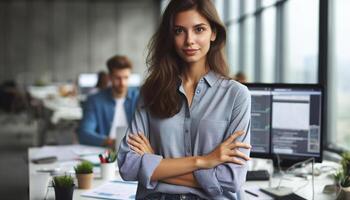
{"x":82,"y":150}
{"x":113,"y":190}
{"x":61,"y":152}
{"x":67,"y":152}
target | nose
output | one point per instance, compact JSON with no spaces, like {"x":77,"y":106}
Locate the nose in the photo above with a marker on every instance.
{"x":124,"y":82}
{"x":189,"y":39}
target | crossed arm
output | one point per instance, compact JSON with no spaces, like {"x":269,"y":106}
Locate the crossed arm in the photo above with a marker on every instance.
{"x":179,"y":171}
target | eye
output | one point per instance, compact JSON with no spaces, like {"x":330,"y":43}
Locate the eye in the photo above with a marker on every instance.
{"x":199,"y":29}
{"x":177,"y":31}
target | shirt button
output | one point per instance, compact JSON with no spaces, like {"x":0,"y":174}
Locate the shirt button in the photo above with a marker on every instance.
{"x":186,"y":131}
{"x":198,"y":91}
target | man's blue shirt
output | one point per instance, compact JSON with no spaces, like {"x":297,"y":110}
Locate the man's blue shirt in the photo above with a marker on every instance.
{"x":98,"y":113}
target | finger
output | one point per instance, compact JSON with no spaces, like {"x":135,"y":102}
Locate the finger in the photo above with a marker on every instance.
{"x":138,"y":151}
{"x":234,"y":136}
{"x":142,"y":146}
{"x":239,"y":145}
{"x":148,"y":144}
{"x":138,"y":139}
{"x":237,"y":161}
{"x":136,"y":144}
{"x":239,"y":154}
{"x":143,"y":137}
{"x":131,"y":139}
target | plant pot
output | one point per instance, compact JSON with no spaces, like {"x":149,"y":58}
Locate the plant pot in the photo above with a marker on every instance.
{"x":64,"y":193}
{"x":344,"y":194}
{"x":85,"y":180}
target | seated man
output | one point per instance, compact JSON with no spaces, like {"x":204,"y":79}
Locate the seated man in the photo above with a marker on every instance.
{"x":108,"y":113}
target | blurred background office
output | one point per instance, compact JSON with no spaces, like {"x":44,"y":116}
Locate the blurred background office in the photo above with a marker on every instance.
{"x":51,"y":52}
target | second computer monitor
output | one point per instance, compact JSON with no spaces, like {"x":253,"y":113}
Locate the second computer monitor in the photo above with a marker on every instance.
{"x":286,"y":121}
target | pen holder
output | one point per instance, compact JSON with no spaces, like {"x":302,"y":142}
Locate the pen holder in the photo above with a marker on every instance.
{"x":108,"y":171}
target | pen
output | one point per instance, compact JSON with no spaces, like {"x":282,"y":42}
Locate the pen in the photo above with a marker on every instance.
{"x":251,"y":193}
{"x":102,"y":160}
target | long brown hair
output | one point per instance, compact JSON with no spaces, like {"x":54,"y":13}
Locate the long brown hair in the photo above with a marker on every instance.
{"x":160,"y":90}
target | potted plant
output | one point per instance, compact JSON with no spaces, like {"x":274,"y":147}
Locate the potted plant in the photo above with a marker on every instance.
{"x":84,"y":173}
{"x":342,"y":178}
{"x":64,"y":187}
{"x":345,"y":162}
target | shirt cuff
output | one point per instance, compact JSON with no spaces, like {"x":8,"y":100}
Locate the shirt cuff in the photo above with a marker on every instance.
{"x":149,"y":162}
{"x":208,"y":181}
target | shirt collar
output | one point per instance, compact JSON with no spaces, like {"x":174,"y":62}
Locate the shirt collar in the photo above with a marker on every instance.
{"x":211,"y":78}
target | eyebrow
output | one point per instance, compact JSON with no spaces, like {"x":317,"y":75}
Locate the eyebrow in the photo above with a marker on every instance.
{"x":197,"y":25}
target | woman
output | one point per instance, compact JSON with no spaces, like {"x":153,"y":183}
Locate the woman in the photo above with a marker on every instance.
{"x":181,"y":143}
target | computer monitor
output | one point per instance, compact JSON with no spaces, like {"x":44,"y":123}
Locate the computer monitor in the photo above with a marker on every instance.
{"x":286,"y":121}
{"x":86,"y":82}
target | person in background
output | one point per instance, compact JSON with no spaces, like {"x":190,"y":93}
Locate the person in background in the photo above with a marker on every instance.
{"x":102,"y":82}
{"x":107,"y":114}
{"x":12,"y":99}
{"x":190,"y":135}
{"x":241,"y":77}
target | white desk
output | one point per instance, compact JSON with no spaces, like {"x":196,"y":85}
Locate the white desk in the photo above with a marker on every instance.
{"x":54,"y":111}
{"x":63,"y":108}
{"x":67,"y":162}
{"x":300,"y":186}
{"x":67,"y":158}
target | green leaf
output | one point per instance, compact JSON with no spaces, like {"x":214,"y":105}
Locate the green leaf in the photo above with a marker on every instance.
{"x":84,"y":167}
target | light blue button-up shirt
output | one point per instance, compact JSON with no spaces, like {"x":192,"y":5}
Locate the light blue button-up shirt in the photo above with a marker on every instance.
{"x":219,"y":108}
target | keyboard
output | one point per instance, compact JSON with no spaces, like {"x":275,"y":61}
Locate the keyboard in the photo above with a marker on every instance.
{"x":258,"y":175}
{"x":277,"y":194}
{"x":292,"y":196}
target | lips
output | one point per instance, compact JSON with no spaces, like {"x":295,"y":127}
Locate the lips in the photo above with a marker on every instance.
{"x":190,"y":52}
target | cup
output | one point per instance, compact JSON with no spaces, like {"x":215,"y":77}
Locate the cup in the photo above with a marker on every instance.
{"x":39,"y":183}
{"x":108,"y":171}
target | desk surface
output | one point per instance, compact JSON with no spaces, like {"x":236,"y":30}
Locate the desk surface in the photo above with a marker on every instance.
{"x":63,"y":165}
{"x":301,"y":186}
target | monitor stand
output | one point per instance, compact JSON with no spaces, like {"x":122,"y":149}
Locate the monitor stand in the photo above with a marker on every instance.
{"x":284,"y":163}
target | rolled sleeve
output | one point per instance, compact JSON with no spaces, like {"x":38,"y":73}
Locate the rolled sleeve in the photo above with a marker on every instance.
{"x":225,"y":177}
{"x":206,"y":178}
{"x":149,"y":164}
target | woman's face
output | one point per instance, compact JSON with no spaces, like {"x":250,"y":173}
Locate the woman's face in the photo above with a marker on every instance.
{"x":192,"y":36}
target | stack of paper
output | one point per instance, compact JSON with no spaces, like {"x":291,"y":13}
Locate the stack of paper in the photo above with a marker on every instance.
{"x":113,"y":190}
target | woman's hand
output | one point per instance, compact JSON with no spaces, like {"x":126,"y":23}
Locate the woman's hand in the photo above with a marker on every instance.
{"x":140,"y":144}
{"x":226,"y":152}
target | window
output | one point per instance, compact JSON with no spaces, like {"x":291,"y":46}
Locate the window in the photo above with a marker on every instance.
{"x":232,"y":35}
{"x":266,"y":3}
{"x":278,"y":41}
{"x":232,"y":48}
{"x":268,"y":45}
{"x":339,"y":73}
{"x":301,"y":41}
{"x":248,"y":64}
{"x":249,"y":6}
